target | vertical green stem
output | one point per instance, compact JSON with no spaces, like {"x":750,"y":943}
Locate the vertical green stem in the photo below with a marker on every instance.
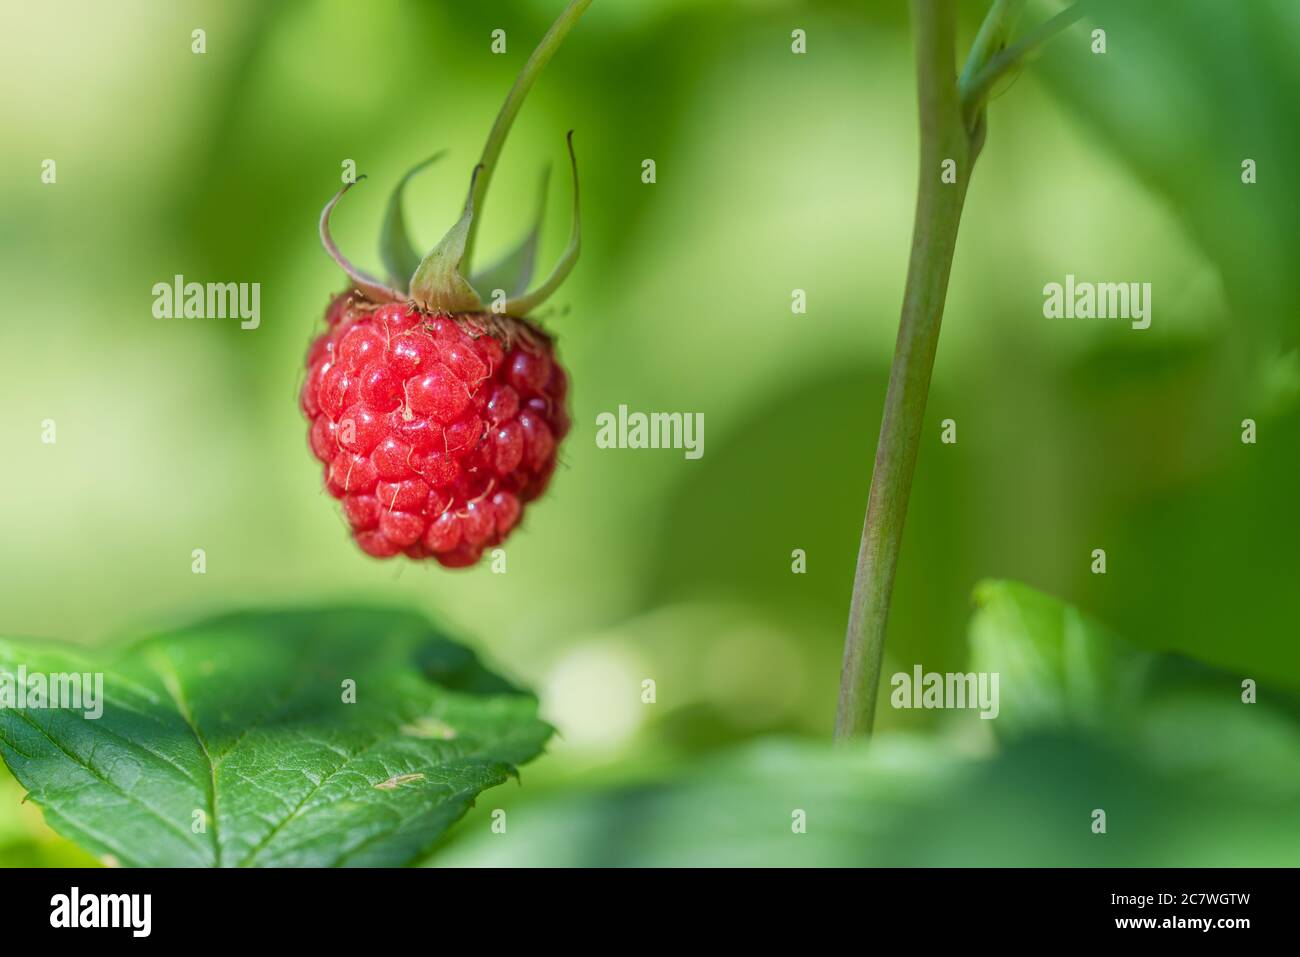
{"x":952,"y":128}
{"x":514,"y":100}
{"x":934,"y":236}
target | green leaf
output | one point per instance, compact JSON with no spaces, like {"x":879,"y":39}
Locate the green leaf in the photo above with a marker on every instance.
{"x":736,"y":809}
{"x":1056,"y":667}
{"x":239,"y":724}
{"x":395,"y":249}
{"x":1060,"y":670}
{"x":25,"y":840}
{"x":897,"y":802}
{"x":1187,"y":773}
{"x":1194,"y":723}
{"x":1186,"y":91}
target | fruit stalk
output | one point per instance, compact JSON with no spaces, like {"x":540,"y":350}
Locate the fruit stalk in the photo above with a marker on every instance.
{"x":514,"y":100}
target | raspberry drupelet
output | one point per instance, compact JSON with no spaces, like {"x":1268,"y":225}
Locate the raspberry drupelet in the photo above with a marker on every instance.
{"x":435,"y":431}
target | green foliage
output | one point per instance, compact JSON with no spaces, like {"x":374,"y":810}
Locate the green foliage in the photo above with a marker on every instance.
{"x":1086,"y":723}
{"x":1061,"y":671}
{"x":1216,"y":81}
{"x":241,"y":718}
{"x":240,"y":724}
{"x":740,"y":808}
{"x":902,"y":802}
{"x":1057,"y":667}
{"x":25,"y":840}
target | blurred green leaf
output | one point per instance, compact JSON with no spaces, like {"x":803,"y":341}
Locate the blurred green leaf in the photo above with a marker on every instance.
{"x":778,"y":802}
{"x":1193,"y":722}
{"x":240,"y":724}
{"x":1056,"y":667}
{"x":900,"y":801}
{"x":1034,"y":804}
{"x":1186,"y":92}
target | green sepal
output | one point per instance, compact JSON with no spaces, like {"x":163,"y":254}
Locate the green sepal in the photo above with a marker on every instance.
{"x":371,"y":286}
{"x":522,"y":305}
{"x":438,"y":285}
{"x":513,"y":271}
{"x":395,"y":250}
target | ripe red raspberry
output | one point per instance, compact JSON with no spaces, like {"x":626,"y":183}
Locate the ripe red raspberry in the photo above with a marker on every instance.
{"x":438,"y":418}
{"x":434,"y":430}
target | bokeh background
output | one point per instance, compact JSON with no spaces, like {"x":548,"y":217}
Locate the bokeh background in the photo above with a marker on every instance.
{"x":775,"y":171}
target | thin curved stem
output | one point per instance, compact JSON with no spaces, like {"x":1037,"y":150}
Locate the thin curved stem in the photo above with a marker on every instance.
{"x":993,"y":37}
{"x":514,"y":100}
